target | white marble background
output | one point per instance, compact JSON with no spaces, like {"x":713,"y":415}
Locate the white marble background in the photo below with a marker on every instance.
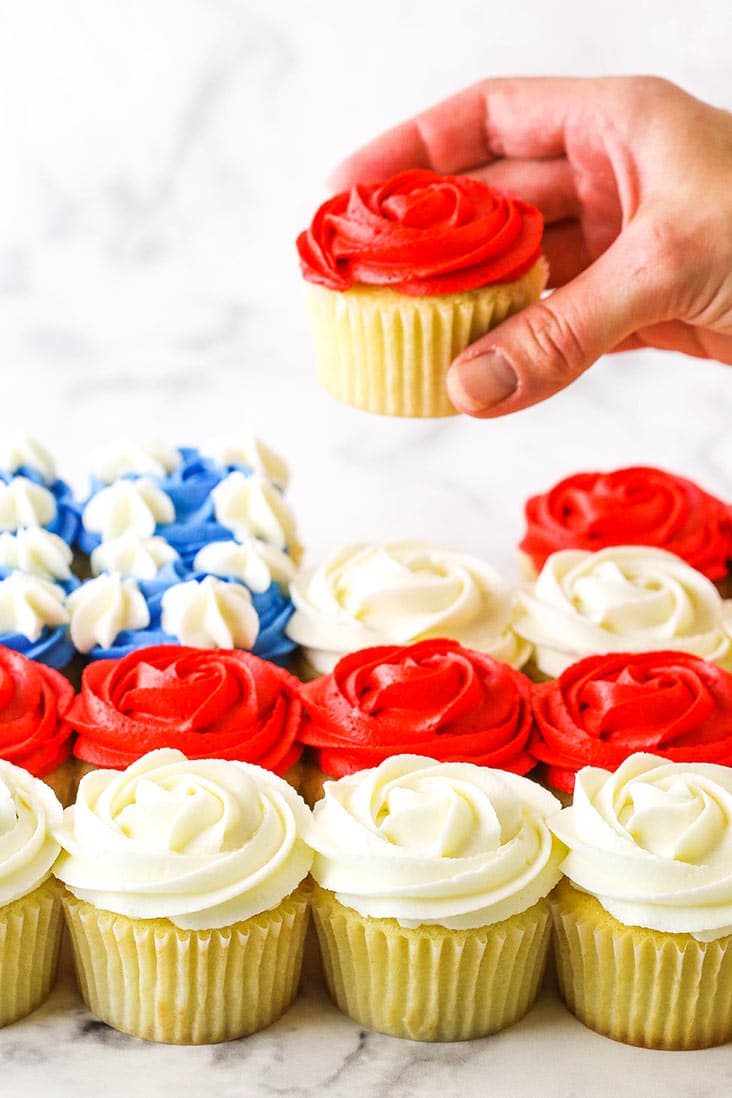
{"x":157,"y":158}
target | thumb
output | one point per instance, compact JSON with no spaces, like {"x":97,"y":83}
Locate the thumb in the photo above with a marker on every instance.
{"x":546,"y":346}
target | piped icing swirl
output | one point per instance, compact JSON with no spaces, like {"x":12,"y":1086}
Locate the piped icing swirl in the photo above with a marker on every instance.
{"x":210,"y":613}
{"x":432,"y":697}
{"x":208,"y":704}
{"x":634,"y":506}
{"x":447,"y":844}
{"x":623,"y":599}
{"x":34,"y":709}
{"x":19,"y":453}
{"x":36,"y":552}
{"x":398,"y":593}
{"x":30,"y":814}
{"x":127,"y":506}
{"x":653,"y":843}
{"x":421,"y":233}
{"x":131,"y":555}
{"x":204,"y":843}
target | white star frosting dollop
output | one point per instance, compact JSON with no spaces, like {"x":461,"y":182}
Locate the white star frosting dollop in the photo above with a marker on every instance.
{"x":104,"y":607}
{"x":399,"y":593}
{"x":204,"y":843}
{"x":29,"y":604}
{"x":653,"y":843}
{"x":250,"y":560}
{"x":29,"y":814}
{"x":448,"y":844}
{"x":210,"y":614}
{"x":623,"y":599}
{"x":128,"y":506}
{"x":253,"y":506}
{"x":131,"y":555}
{"x":246,"y":449}
{"x":37,"y":552}
{"x":126,"y":457}
{"x":25,"y":503}
{"x":21,"y":451}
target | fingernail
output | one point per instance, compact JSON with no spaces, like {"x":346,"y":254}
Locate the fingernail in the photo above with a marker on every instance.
{"x":479,"y":383}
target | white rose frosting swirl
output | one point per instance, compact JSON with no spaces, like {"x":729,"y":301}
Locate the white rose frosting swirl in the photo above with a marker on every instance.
{"x":25,"y":503}
{"x":204,"y":843}
{"x":130,"y":555}
{"x":29,"y":813}
{"x":37,"y":552}
{"x":622,"y":599}
{"x":253,"y":506}
{"x":653,"y":843}
{"x":447,"y":844}
{"x":102,"y":608}
{"x":124,"y":457}
{"x":210,"y":614}
{"x":128,"y":505}
{"x":398,"y":593}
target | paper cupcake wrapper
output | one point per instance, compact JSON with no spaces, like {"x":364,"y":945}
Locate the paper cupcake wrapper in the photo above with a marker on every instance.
{"x":640,"y":986}
{"x":430,"y":983}
{"x":30,"y":936}
{"x":387,"y":352}
{"x":150,"y":979}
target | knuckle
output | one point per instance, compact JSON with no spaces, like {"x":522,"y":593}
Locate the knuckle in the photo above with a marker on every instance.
{"x":553,"y":341}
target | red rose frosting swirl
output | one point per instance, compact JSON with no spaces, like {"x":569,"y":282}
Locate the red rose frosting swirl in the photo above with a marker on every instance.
{"x":604,"y":708}
{"x":34,"y":703}
{"x":208,"y":703}
{"x":432,"y":698}
{"x":421,"y":233}
{"x":635,"y":506}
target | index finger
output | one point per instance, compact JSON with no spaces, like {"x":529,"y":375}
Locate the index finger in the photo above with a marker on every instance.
{"x":515,"y":116}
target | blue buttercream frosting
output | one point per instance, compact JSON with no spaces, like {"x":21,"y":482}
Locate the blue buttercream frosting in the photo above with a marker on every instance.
{"x":53,"y":647}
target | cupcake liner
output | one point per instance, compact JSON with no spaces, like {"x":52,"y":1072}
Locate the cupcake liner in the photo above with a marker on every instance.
{"x":150,"y":979}
{"x":30,"y":936}
{"x":640,"y":986}
{"x":430,"y":983}
{"x":387,"y":352}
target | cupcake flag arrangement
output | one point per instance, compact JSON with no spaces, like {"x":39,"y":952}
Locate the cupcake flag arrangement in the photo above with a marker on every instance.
{"x":204,"y":740}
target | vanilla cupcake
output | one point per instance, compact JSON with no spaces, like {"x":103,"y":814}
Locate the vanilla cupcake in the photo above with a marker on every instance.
{"x":402,"y":275}
{"x":31,"y":920}
{"x":623,"y":599}
{"x":643,"y":924}
{"x":185,"y":897}
{"x":431,"y":899}
{"x":397,"y":593}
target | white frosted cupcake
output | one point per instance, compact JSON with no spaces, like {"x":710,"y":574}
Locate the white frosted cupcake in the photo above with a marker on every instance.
{"x":624,"y":599}
{"x":643,"y":924}
{"x":400,"y":593}
{"x":31,"y":920}
{"x":185,"y":897}
{"x":430,"y":902}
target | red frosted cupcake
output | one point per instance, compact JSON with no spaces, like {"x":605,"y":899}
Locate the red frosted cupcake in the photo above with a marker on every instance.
{"x":34,"y":729}
{"x":404,"y":273}
{"x":604,"y":708}
{"x":207,"y":703}
{"x":635,"y":506}
{"x":432,"y":698}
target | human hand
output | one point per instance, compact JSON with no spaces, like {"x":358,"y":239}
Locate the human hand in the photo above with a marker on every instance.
{"x":634,"y":178}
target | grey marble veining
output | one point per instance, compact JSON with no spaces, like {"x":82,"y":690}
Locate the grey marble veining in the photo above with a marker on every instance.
{"x":158,"y":158}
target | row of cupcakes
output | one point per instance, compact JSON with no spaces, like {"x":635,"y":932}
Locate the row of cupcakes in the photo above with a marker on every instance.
{"x":434,"y":697}
{"x":186,"y":886}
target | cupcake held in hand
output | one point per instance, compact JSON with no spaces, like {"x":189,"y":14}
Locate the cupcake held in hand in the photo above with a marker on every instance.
{"x":184,"y":896}
{"x":643,"y":923}
{"x":402,"y":275}
{"x":431,"y":900}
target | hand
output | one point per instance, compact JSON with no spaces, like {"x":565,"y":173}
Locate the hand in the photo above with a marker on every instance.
{"x":634,"y":178}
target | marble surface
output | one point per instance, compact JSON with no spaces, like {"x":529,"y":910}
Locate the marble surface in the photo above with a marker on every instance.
{"x":158,"y":158}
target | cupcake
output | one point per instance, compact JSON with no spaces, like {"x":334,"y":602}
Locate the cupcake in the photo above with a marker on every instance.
{"x":31,"y":493}
{"x":431,"y":898}
{"x":625,"y":599}
{"x":34,"y":619}
{"x":31,"y":920}
{"x":207,"y":704}
{"x":367,"y":596}
{"x":635,"y":506}
{"x":35,"y":733}
{"x":434,"y":697}
{"x":402,"y":275}
{"x":604,"y":708}
{"x":643,"y":923}
{"x":184,"y":896}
